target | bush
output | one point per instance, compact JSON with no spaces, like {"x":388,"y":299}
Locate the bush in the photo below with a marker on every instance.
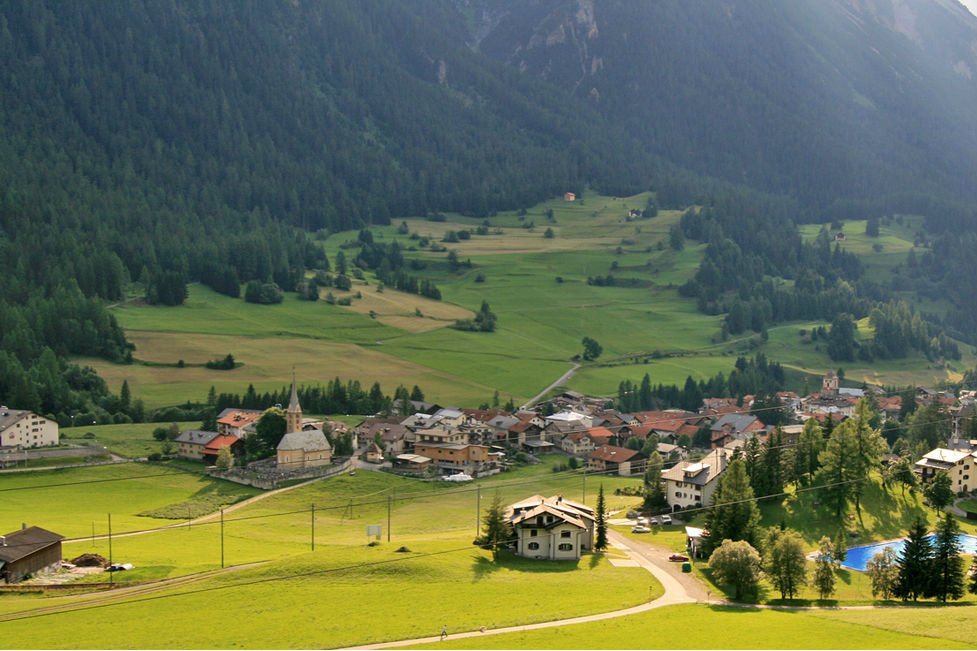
{"x":263,"y":293}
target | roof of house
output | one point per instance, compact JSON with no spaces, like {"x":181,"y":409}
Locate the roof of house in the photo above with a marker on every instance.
{"x":664,"y":421}
{"x":238,"y":417}
{"x":614,"y":454}
{"x":10,"y":416}
{"x":505,"y":422}
{"x":944,"y":456}
{"x":448,"y":412}
{"x":374,"y":448}
{"x":219,"y":442}
{"x":25,"y":542}
{"x":561,"y":515}
{"x":601,"y":434}
{"x":196,"y":437}
{"x":555,"y":504}
{"x":699,"y":472}
{"x":737,"y":422}
{"x":566,"y":416}
{"x":522,"y":426}
{"x":484,"y":415}
{"x":308,"y":441}
{"x":413,"y":458}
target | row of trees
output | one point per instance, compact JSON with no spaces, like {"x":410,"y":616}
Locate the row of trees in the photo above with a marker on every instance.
{"x":921,"y":569}
{"x":754,"y":375}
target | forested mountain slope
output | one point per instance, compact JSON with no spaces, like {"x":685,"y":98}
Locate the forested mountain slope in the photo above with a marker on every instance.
{"x":164,"y":141}
{"x":822,"y":100}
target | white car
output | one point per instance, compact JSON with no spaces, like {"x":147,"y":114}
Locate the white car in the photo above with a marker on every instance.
{"x":666,"y":519}
{"x":655,"y":521}
{"x":459,"y":477}
{"x":641,"y":529}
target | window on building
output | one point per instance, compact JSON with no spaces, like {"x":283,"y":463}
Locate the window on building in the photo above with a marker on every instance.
{"x":566,"y":534}
{"x":533,"y":532}
{"x":565,"y":547}
{"x":533,"y":546}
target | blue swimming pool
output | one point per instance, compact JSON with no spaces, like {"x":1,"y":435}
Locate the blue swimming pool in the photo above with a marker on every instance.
{"x":858,"y":557}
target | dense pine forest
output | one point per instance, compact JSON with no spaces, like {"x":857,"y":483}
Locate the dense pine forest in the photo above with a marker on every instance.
{"x":153,"y":143}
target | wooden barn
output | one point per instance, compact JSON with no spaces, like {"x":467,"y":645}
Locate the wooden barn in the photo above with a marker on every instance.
{"x":27,"y":552}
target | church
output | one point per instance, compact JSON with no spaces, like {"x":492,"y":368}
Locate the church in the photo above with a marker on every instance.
{"x":300,"y":448}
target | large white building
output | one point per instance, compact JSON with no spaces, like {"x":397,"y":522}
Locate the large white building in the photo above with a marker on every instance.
{"x":691,"y":484}
{"x":552,"y":528}
{"x":26,"y":429}
{"x":960,"y":465}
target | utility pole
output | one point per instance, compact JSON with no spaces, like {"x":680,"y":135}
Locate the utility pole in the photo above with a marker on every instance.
{"x":478,"y":509}
{"x":111,"y":574}
{"x":389,"y":501}
{"x":584,"y":499}
{"x":313,"y":527}
{"x":222,"y":539}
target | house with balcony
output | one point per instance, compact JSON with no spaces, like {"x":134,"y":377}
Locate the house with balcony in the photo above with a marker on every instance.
{"x":552,"y":528}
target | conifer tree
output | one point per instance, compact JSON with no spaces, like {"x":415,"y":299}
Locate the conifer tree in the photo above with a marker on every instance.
{"x":734,"y":514}
{"x":600,"y":542}
{"x":947,"y":565}
{"x":498,"y":529}
{"x":915,"y":564}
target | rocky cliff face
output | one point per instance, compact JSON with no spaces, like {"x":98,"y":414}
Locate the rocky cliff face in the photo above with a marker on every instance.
{"x":824,"y":96}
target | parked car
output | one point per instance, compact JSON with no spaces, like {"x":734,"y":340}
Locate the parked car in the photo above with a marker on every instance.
{"x":640,"y":529}
{"x":678,"y":558}
{"x":633,"y":515}
{"x":666,"y":519}
{"x":643,"y":522}
{"x":655,"y":521}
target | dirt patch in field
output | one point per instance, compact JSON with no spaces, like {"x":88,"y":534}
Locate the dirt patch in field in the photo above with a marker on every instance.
{"x":399,"y":309}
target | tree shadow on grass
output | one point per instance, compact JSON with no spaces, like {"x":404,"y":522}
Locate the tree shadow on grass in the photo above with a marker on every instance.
{"x":484,"y":566}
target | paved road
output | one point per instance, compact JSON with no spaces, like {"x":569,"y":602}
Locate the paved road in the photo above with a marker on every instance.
{"x":563,"y":379}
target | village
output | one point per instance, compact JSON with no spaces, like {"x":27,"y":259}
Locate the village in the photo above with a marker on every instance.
{"x":692,"y":449}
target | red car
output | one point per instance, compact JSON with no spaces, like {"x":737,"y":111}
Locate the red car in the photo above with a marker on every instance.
{"x":678,"y":558}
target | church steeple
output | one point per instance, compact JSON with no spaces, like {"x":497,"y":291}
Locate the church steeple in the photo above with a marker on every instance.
{"x":294,"y":413}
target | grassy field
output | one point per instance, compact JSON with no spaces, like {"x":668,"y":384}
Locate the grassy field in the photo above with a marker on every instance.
{"x":343,"y":595}
{"x":701,"y":627}
{"x":541,"y":321}
{"x":297,"y":597}
{"x":72,"y":501}
{"x":128,"y":440}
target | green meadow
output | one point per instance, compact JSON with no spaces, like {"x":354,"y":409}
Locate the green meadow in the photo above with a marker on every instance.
{"x":536,"y":286}
{"x":718,"y":627}
{"x":330,"y":596}
{"x":333,"y":597}
{"x":128,"y":440}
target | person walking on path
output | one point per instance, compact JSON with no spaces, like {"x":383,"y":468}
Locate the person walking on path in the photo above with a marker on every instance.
{"x":444,"y":632}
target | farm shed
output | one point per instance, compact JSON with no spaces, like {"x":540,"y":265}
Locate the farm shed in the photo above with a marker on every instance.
{"x":27,"y":552}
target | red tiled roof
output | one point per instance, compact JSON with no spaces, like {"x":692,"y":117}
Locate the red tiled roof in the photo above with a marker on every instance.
{"x":240,"y":418}
{"x":222,"y":441}
{"x":600,"y":434}
{"x":612,"y":453}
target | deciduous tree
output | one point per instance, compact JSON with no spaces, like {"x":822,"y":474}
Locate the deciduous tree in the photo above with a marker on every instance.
{"x":824,"y":572}
{"x":883,"y":571}
{"x":737,"y":564}
{"x":784,"y":562}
